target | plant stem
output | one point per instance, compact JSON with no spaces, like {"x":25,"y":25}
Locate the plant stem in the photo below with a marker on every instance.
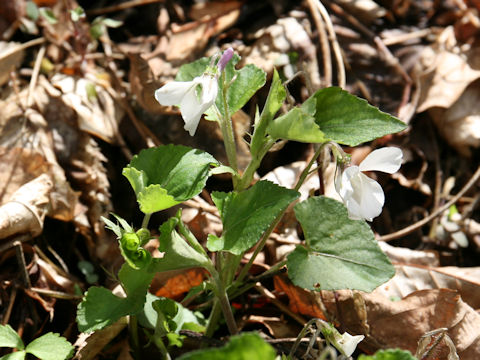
{"x":214,"y":318}
{"x":145,"y":221}
{"x":226,"y":126}
{"x":253,"y":166}
{"x":192,"y":240}
{"x":133,"y":329}
{"x":221,"y":302}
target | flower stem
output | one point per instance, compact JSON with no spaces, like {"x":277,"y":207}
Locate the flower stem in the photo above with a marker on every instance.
{"x":226,"y":126}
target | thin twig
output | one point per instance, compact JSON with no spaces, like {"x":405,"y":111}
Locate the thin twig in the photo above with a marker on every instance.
{"x":337,"y":52}
{"x":34,"y":78}
{"x":13,"y":295}
{"x":439,"y":211}
{"x":22,"y":264}
{"x":322,"y":33}
{"x":122,"y":6}
{"x":56,"y":294}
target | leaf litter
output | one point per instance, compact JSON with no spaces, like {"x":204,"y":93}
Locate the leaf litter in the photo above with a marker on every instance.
{"x":64,"y":118}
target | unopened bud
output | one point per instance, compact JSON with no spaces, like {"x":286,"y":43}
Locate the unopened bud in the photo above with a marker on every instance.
{"x":226,"y":57}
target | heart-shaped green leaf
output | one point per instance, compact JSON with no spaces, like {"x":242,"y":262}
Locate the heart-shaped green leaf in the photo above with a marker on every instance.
{"x":340,"y":253}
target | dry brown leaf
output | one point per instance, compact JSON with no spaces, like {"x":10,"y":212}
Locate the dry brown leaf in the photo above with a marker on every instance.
{"x":459,"y":124}
{"x":445,"y":72}
{"x":400,"y":324}
{"x":410,"y":278}
{"x":96,"y":111}
{"x":175,"y":284}
{"x":24,"y":213}
{"x":274,"y":43}
{"x":408,"y":256}
{"x":301,"y":301}
{"x":11,"y":56}
{"x":90,"y":345}
{"x":277,"y":327}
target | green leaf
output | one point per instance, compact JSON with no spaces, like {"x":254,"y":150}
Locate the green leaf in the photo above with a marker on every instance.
{"x":10,"y":338}
{"x":246,"y":346}
{"x":50,"y":346}
{"x":347,"y":119}
{"x":340,"y":253}
{"x":248,"y":214}
{"x":190,"y":71}
{"x":247,"y":81}
{"x":48,"y":15}
{"x":167,"y":175}
{"x":275,"y":99}
{"x":77,"y":14}
{"x":32,"y":10}
{"x":389,"y":354}
{"x":178,"y":253}
{"x":19,"y":355}
{"x":101,"y":307}
{"x":177,"y":316}
{"x":296,"y":125}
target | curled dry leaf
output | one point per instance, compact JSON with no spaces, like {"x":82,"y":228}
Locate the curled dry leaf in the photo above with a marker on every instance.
{"x":24,"y":213}
{"x":96,"y":110}
{"x":447,"y":75}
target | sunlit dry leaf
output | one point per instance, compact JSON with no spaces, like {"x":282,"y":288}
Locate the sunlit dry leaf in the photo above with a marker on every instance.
{"x":24,"y":213}
{"x":96,"y":110}
{"x":407,"y":256}
{"x":90,"y":345}
{"x":366,"y":10}
{"x":277,"y":327}
{"x":459,"y":124}
{"x":11,"y":56}
{"x":444,"y":74}
{"x":274,"y":43}
{"x":175,"y":284}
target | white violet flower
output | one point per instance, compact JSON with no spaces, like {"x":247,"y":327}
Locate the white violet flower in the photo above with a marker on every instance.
{"x":363,"y":196}
{"x":193,"y":97}
{"x":347,"y":343}
{"x":196,"y":96}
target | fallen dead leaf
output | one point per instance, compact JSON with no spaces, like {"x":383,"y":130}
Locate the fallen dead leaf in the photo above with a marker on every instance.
{"x":301,"y":301}
{"x":400,"y":324}
{"x":174,"y":284}
{"x":90,"y":345}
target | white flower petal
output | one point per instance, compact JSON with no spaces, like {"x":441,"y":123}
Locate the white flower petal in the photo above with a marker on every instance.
{"x":173,"y":92}
{"x":367,"y":199}
{"x":348,"y":343}
{"x":387,"y":159}
{"x":192,"y":111}
{"x":342,"y":182}
{"x":209,"y":89}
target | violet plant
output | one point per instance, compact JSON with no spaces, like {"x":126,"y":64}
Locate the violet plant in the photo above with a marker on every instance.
{"x":339,"y":251}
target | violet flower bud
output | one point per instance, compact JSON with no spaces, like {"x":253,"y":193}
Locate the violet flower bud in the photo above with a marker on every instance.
{"x":226,"y":57}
